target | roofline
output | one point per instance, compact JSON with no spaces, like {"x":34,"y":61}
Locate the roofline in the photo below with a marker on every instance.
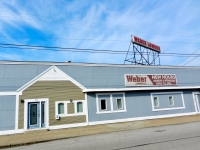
{"x":38,"y":77}
{"x":140,"y":89}
{"x":91,"y":64}
{"x":10,"y":93}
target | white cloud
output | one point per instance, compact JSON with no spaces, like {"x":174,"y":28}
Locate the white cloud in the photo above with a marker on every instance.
{"x":102,"y":20}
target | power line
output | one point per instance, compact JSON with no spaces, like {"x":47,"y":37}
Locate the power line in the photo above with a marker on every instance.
{"x":78,"y":49}
{"x":48,"y":48}
{"x":55,"y":48}
{"x":69,"y":49}
{"x":188,"y":57}
{"x":192,"y":59}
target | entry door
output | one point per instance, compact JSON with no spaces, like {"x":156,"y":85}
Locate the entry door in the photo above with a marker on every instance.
{"x":197,"y":101}
{"x":36,"y":115}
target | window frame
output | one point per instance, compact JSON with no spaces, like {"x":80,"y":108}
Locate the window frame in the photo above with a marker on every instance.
{"x":180,"y":94}
{"x":66,"y":110}
{"x":83,"y":104}
{"x":172,"y":100}
{"x":110,"y":100}
{"x":154,"y":101}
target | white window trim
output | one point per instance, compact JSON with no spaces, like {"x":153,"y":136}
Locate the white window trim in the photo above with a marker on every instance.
{"x":122,"y":104}
{"x":66,"y":111}
{"x":111,"y":103}
{"x":154,"y":102}
{"x":196,"y":103}
{"x":108,"y":112}
{"x":86,"y":108}
{"x":170,"y":108}
{"x":172,"y":100}
{"x":10,"y":93}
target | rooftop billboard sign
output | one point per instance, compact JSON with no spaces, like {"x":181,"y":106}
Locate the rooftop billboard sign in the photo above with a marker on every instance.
{"x":150,"y":79}
{"x":146,"y":44}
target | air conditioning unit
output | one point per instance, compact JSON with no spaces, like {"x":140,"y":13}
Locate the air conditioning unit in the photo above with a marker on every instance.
{"x":57,"y":117}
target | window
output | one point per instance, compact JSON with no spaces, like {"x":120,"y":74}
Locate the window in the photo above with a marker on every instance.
{"x":79,"y":107}
{"x":60,"y":108}
{"x":119,"y":103}
{"x":103,"y":104}
{"x":171,"y":101}
{"x":69,"y":108}
{"x":162,"y":101}
{"x":155,"y":100}
{"x":110,"y":103}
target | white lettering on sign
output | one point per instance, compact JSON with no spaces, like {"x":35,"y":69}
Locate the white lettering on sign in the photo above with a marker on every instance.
{"x":145,"y":79}
{"x":146,"y":44}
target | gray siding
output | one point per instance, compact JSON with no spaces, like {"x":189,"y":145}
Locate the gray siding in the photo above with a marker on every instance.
{"x":113,"y":76}
{"x":138,"y":104}
{"x":14,"y":76}
{"x":7,"y":112}
{"x":70,"y":108}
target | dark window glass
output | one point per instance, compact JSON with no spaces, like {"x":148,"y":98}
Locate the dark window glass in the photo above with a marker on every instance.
{"x":171,"y":102}
{"x":42,"y":111}
{"x":103,"y":104}
{"x":79,"y":107}
{"x":33,"y":114}
{"x":119,"y":104}
{"x":155,"y":101}
{"x":60,"y":108}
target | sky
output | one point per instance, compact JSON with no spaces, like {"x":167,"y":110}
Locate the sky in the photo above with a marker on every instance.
{"x":100,"y":25}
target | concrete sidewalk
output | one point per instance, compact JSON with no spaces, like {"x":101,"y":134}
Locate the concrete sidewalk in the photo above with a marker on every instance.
{"x":31,"y":137}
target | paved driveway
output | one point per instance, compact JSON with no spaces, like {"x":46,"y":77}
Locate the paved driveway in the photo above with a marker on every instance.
{"x":172,"y":137}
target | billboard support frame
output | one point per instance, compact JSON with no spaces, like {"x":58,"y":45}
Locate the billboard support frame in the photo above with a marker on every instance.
{"x":141,"y":55}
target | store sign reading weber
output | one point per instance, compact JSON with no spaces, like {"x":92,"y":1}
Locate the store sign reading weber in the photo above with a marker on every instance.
{"x":150,"y":79}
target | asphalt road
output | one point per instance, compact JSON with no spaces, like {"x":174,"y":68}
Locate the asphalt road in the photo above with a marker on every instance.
{"x":173,"y":137}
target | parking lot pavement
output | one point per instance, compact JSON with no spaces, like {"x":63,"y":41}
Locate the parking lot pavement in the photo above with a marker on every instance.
{"x":173,"y":137}
{"x":31,"y":137}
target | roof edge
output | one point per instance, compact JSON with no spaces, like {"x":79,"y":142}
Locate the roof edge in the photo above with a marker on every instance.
{"x":91,"y":64}
{"x":139,"y":89}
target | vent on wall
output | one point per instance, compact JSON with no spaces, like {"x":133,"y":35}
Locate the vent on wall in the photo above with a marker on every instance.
{"x":57,"y":117}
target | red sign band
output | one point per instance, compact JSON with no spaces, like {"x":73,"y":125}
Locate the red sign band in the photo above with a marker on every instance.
{"x":146,"y":44}
{"x":143,"y":79}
